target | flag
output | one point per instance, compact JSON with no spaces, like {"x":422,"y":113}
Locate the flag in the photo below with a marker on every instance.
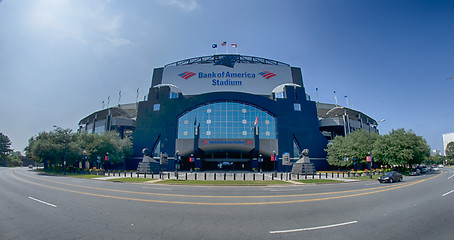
{"x":214,"y":45}
{"x":256,"y":120}
{"x":195,"y":121}
{"x":234,"y":45}
{"x":224,"y":44}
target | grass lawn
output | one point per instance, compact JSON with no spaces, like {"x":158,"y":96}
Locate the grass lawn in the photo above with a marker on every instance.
{"x":365,"y":178}
{"x":319,"y":181}
{"x":221,"y":182}
{"x":76,"y":175}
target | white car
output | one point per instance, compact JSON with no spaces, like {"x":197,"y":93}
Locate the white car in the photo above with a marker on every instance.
{"x":440,"y":166}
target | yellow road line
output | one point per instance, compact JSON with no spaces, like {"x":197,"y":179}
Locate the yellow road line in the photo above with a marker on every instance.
{"x":218,"y":204}
{"x":201,"y":196}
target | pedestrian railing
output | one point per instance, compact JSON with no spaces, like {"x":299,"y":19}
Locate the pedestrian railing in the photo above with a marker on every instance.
{"x":239,"y":176}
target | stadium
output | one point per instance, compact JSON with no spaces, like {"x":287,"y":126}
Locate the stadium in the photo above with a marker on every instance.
{"x":228,"y":111}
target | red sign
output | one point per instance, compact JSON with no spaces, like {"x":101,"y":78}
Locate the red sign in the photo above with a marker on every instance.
{"x":106,"y":158}
{"x":273,"y":158}
{"x":191,"y":159}
{"x":368,"y":158}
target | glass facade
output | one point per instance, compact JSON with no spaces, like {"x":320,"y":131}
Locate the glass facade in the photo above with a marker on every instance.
{"x":227,"y":120}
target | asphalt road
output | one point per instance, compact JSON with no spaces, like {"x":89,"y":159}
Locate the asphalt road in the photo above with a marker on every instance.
{"x":34,"y":206}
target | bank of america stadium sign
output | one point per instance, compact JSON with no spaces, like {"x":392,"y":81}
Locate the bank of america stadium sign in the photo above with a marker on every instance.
{"x":230,"y":77}
{"x":205,"y":78}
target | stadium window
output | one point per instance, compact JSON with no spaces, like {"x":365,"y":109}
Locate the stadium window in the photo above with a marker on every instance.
{"x":297,"y":107}
{"x":156,"y":107}
{"x":280,"y":95}
{"x":173,"y":95}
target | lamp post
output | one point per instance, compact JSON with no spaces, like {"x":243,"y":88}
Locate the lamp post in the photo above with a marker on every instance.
{"x":370,"y":149}
{"x":260,"y":162}
{"x":177,"y":161}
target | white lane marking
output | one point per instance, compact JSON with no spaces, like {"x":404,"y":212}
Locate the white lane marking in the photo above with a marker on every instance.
{"x":313,"y":228}
{"x":46,"y":203}
{"x":451,"y":176}
{"x":447,"y":193}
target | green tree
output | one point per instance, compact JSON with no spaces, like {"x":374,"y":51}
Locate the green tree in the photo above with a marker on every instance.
{"x":5,"y":146}
{"x":437,"y":159}
{"x":400,"y":148}
{"x":105,"y":144}
{"x":355,"y":145}
{"x":450,"y":151}
{"x":53,"y":148}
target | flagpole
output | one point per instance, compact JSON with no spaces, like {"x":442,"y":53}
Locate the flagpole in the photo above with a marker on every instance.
{"x":316,"y":92}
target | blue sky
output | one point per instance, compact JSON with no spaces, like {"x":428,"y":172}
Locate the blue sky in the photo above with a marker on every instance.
{"x":60,"y":59}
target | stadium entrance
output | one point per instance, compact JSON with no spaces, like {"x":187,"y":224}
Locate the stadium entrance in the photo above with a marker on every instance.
{"x":226,"y":161}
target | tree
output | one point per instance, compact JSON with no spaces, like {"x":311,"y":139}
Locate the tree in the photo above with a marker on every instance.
{"x":5,"y":151}
{"x":450,"y":151}
{"x":401,"y":148}
{"x":437,"y":159}
{"x":106,"y":144}
{"x":5,"y":145}
{"x":53,"y":148}
{"x":355,"y":145}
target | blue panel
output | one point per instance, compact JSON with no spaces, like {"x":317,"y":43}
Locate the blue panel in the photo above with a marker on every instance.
{"x":226,"y":121}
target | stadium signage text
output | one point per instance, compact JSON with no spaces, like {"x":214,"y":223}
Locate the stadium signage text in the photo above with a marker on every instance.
{"x":226,"y":74}
{"x":226,"y":82}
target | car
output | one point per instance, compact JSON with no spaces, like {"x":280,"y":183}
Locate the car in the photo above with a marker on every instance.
{"x":415,"y":172}
{"x":424,"y":169}
{"x":30,"y":166}
{"x":391,"y":177}
{"x":440,"y":166}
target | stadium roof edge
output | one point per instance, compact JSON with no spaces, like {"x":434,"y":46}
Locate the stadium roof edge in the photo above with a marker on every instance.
{"x":215,"y":58}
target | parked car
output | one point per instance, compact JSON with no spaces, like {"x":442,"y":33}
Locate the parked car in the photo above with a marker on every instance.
{"x":30,"y":166}
{"x":415,"y":172}
{"x":391,"y":177}
{"x":424,"y":169}
{"x":440,"y":166}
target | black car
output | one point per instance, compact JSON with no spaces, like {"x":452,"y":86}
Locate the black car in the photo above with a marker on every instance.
{"x":391,"y":177}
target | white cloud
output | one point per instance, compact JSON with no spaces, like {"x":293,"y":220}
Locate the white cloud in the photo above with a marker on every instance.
{"x":118,"y":41}
{"x":111,"y":25}
{"x":186,"y":5}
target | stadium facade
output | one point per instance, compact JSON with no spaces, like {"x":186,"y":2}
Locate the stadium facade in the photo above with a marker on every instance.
{"x":228,"y":111}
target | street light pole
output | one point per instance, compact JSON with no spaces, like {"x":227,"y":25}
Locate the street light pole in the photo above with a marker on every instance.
{"x":370,"y":149}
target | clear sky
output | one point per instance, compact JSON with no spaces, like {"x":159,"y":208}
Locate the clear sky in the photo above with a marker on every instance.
{"x":60,"y":59}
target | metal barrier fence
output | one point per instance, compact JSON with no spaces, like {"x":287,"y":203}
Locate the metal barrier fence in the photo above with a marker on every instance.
{"x":238,"y":176}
